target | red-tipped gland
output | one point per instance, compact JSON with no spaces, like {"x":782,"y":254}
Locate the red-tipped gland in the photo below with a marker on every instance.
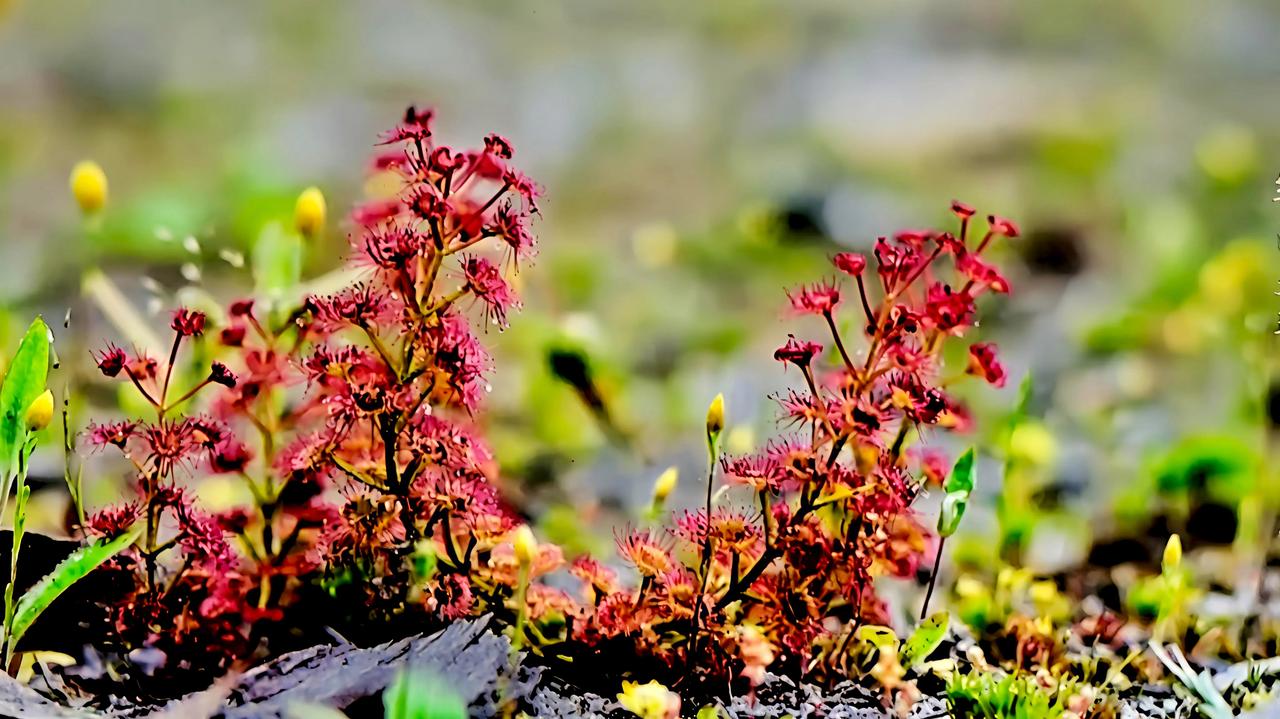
{"x":241,"y":308}
{"x":219,"y":374}
{"x":962,"y":210}
{"x":850,"y":263}
{"x":187,"y":322}
{"x":796,"y":352}
{"x":112,"y":361}
{"x":1002,"y":226}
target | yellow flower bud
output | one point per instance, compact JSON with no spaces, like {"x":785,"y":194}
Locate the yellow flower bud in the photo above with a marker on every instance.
{"x":89,"y":186}
{"x":525,"y":544}
{"x":309,"y":211}
{"x":715,"y":417}
{"x":1172,"y":553}
{"x":649,"y":701}
{"x":663,"y":485}
{"x":40,"y":412}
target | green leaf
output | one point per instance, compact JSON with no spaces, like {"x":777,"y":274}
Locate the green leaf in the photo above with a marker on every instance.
{"x":417,"y":694}
{"x":24,"y":381}
{"x":277,"y":261}
{"x":953,"y":506}
{"x":75,"y":567}
{"x":925,"y":639}
{"x":961,"y":478}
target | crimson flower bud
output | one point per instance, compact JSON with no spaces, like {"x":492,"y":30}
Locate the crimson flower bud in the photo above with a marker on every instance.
{"x":187,"y":322}
{"x":219,"y":374}
{"x":850,"y":263}
{"x":232,"y":336}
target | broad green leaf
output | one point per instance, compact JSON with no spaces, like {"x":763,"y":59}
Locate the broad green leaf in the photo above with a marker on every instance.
{"x":24,"y":381}
{"x":75,"y":567}
{"x":277,"y":261}
{"x":953,"y":506}
{"x":419,"y":695}
{"x":925,"y":639}
{"x":878,"y":636}
{"x":961,"y":478}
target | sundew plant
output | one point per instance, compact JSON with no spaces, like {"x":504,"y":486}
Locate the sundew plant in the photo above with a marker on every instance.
{"x":352,"y":420}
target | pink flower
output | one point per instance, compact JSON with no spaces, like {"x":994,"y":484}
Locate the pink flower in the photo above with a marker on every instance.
{"x":817,"y":299}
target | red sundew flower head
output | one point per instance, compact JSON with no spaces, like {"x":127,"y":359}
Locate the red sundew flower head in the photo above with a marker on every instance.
{"x":962,"y":210}
{"x":392,"y":246}
{"x":415,"y":127}
{"x":234,"y":521}
{"x":426,"y":203}
{"x":799,"y":353}
{"x":444,"y":161}
{"x":230,"y":456}
{"x":896,"y":262}
{"x":524,"y":187}
{"x":360,"y":305}
{"x":113,"y":521}
{"x":760,"y":472}
{"x":460,"y":358}
{"x":114,"y":433}
{"x":451,"y":597}
{"x":730,"y":531}
{"x":948,"y":243}
{"x":204,"y":543}
{"x":803,"y":408}
{"x":187,"y":322}
{"x":111,"y":361}
{"x":600,"y":579}
{"x":850,"y":263}
{"x":984,"y":363}
{"x":946,"y":309}
{"x":934,"y":465}
{"x":981,"y":273}
{"x":241,"y":308}
{"x":219,"y":374}
{"x":499,"y":146}
{"x":915,"y":239}
{"x":143,"y":367}
{"x":485,"y":283}
{"x":232,"y":336}
{"x":512,"y":227}
{"x":819,"y":298}
{"x":1002,"y":226}
{"x":644,"y":550}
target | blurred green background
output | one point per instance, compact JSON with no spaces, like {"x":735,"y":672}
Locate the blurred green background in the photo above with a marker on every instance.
{"x":697,"y":159}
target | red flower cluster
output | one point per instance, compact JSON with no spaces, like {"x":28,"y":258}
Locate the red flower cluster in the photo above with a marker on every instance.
{"x":349,"y":419}
{"x":788,"y":582}
{"x":368,"y":391}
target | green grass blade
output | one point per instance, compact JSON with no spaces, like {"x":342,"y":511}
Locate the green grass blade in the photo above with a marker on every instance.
{"x":419,"y":695}
{"x":75,"y":567}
